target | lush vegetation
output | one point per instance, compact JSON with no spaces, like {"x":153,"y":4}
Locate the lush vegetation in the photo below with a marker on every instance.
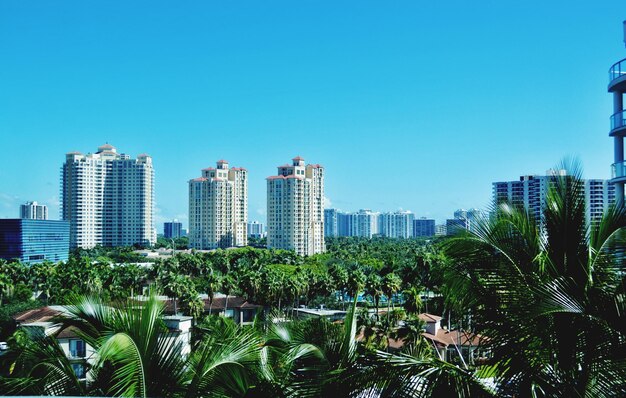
{"x":548,"y":297}
{"x":137,"y":357}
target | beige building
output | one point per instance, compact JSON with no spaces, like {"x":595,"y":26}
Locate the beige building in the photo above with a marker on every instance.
{"x":295,"y":208}
{"x":218,"y":208}
{"x":108,"y":198}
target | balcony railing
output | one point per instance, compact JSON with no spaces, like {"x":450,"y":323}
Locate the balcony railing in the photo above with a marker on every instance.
{"x":617,"y":70}
{"x":618,"y":120}
{"x":618,"y":170}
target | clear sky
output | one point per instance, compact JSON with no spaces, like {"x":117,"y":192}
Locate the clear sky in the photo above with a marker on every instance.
{"x":418,"y":105}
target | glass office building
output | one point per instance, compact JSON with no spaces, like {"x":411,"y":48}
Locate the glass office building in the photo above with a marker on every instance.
{"x":34,"y":241}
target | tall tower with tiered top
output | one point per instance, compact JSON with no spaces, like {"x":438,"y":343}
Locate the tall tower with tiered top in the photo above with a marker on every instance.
{"x":617,"y":86}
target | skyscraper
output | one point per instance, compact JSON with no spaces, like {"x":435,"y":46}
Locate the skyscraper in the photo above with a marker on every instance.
{"x":531,"y":191}
{"x":172,"y":229}
{"x":33,"y":211}
{"x":218,"y":208}
{"x":108,"y":198}
{"x":295,"y":208}
{"x":397,"y":225}
{"x":330,"y":223}
{"x":256,"y":230}
{"x":364,"y":223}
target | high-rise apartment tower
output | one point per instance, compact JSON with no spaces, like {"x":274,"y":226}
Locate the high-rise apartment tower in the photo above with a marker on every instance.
{"x":108,"y":198}
{"x":33,"y":211}
{"x":295,"y":208}
{"x":218,"y":208}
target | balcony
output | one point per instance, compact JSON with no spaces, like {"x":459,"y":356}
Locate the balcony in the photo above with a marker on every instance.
{"x":618,"y":124}
{"x":618,"y":171}
{"x":617,"y":76}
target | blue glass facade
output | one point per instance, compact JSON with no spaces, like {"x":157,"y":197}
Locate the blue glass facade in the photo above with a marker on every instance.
{"x":423,"y":227}
{"x":34,"y":241}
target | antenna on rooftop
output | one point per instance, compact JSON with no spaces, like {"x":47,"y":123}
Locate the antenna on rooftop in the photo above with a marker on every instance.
{"x":624,"y":32}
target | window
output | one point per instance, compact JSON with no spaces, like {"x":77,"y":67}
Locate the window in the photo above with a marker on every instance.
{"x":77,"y":348}
{"x":79,"y":370}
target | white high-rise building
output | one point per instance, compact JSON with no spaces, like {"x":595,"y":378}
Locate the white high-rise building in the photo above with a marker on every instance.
{"x":397,"y":225}
{"x":218,"y":208}
{"x":295,"y":208}
{"x":108,"y":198}
{"x":531,"y":191}
{"x":34,"y":211}
{"x":363,"y":223}
{"x":256,"y":230}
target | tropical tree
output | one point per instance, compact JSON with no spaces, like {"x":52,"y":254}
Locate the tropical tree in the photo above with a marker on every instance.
{"x":391,"y":285}
{"x":136,"y":356}
{"x":548,"y":294}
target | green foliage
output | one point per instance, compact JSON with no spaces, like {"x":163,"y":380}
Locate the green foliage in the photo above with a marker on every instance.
{"x":549,"y":294}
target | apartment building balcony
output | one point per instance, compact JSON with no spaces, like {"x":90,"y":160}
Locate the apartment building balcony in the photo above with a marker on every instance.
{"x":618,"y":172}
{"x":618,"y":124}
{"x":617,"y":77}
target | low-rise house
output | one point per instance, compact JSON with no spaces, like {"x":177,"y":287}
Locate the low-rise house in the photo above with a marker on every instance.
{"x":240,"y":310}
{"x":44,"y":320}
{"x":80,"y":354}
{"x":452,"y":344}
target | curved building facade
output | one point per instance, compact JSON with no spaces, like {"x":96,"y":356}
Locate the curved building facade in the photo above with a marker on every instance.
{"x":617,"y":86}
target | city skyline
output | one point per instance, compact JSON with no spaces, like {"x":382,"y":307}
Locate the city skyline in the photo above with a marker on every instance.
{"x":433,"y":88}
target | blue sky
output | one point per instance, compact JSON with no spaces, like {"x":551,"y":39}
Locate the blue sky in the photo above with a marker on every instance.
{"x":408,"y":104}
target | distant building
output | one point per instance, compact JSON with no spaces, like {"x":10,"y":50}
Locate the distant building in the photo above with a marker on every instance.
{"x":108,"y":198}
{"x":456,"y":225}
{"x":397,"y":225}
{"x":530,"y":192}
{"x":34,"y":241}
{"x":330,"y":223}
{"x":365,"y":223}
{"x":441,"y":230}
{"x":295,"y":213}
{"x":423,"y":227}
{"x":256,"y":230}
{"x":172,"y":229}
{"x":218,"y":208}
{"x":33,"y":211}
{"x":344,"y":224}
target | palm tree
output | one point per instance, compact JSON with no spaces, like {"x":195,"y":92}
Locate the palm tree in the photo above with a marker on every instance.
{"x":374,"y":286}
{"x":137,"y":356}
{"x":549,"y":294}
{"x":391,"y":284}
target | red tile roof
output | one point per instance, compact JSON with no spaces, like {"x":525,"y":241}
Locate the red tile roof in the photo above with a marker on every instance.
{"x":199,"y":179}
{"x":42,"y":314}
{"x":208,"y":168}
{"x":298,"y":158}
{"x":240,"y":168}
{"x":429,"y":317}
{"x":68,"y":333}
{"x":222,"y":161}
{"x":446,"y":337}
